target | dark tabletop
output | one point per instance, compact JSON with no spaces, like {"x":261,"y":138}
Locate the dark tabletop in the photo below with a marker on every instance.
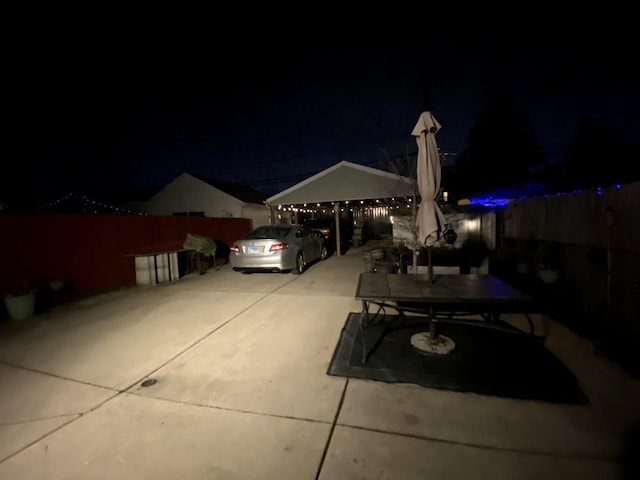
{"x":454,"y":289}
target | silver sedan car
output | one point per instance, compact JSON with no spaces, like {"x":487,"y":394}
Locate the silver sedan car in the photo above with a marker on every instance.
{"x":277,"y":248}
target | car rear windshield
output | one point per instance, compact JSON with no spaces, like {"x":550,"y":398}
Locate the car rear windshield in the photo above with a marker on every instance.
{"x":276,"y":231}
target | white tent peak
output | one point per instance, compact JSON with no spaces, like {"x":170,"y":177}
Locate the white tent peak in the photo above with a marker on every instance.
{"x":345,"y":181}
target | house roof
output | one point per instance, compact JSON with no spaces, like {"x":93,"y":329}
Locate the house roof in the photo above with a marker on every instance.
{"x":243,"y":193}
{"x":345,"y":181}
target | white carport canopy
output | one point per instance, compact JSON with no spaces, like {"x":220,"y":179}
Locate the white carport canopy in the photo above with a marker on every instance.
{"x":345,"y":181}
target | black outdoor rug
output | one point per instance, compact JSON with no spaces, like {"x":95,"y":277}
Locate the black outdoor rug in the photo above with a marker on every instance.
{"x":484,"y":361}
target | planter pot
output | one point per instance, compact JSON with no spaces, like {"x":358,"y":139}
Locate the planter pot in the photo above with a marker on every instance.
{"x":384,"y":267}
{"x":368,"y":262}
{"x":377,"y":254}
{"x":21,"y":307}
{"x":548,"y":275}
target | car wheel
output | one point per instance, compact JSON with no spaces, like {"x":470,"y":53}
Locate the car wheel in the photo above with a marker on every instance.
{"x":299,"y":264}
{"x":324,"y":254}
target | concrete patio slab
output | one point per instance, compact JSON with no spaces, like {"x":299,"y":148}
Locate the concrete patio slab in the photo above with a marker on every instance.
{"x":242,"y":392}
{"x":226,"y":280}
{"x":483,"y":421}
{"x":115,"y":343}
{"x":27,"y":396}
{"x":143,"y":438}
{"x":33,"y":404}
{"x":15,"y":437}
{"x":611,"y":391}
{"x":357,"y":453}
{"x":334,"y":276}
{"x":595,"y":430}
{"x":271,"y":359}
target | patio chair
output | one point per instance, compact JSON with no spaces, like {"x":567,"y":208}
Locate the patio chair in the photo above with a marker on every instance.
{"x":203,"y":247}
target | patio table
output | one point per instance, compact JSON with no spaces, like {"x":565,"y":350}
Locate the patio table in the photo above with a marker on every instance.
{"x":448,"y":298}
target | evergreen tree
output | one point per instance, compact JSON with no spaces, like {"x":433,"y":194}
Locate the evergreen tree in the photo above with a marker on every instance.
{"x":502,"y":150}
{"x":597,"y":156}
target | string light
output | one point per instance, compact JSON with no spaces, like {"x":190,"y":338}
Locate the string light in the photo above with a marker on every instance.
{"x":528,"y":191}
{"x":83,"y":204}
{"x":391,"y":202}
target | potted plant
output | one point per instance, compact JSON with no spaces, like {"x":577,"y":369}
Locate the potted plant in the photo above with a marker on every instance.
{"x":525,"y":256}
{"x":550,"y":263}
{"x":21,"y":304}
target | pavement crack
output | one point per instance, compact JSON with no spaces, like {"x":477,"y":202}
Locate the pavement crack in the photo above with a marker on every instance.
{"x":195,"y":343}
{"x":522,"y":451}
{"x":333,"y":427}
{"x":227,"y":409}
{"x":39,"y":419}
{"x":55,"y":375}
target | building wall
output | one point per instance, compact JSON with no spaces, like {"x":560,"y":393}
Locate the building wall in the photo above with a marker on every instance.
{"x":189,"y":194}
{"x":90,"y":250}
{"x":258,"y":214}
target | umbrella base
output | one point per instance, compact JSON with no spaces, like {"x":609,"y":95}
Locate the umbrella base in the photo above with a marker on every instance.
{"x":426,"y":345}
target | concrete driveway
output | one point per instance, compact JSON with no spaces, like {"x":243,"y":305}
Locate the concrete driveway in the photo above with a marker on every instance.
{"x":242,"y":392}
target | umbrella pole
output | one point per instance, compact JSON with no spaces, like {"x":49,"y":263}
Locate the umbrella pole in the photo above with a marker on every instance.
{"x":415,"y":234}
{"x":430,"y":264}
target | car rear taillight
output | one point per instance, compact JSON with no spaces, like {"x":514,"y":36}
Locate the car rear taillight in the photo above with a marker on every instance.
{"x":278,"y":246}
{"x":234,"y":248}
{"x":326,"y":231}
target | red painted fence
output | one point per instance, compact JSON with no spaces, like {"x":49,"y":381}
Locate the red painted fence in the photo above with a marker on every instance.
{"x":90,"y":250}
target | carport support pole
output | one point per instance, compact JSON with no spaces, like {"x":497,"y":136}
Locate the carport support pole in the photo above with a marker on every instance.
{"x":336,"y":213}
{"x":273,"y":214}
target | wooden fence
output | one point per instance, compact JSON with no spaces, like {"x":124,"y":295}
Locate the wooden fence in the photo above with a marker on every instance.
{"x":597,"y":233}
{"x":91,"y":250}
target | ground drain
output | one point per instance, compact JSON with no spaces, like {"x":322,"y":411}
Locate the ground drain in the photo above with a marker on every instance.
{"x":149,"y":382}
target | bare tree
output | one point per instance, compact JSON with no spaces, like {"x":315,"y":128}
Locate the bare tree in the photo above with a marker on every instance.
{"x":404,"y":214}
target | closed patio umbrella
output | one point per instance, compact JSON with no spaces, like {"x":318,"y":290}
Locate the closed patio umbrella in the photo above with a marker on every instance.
{"x":430,"y":219}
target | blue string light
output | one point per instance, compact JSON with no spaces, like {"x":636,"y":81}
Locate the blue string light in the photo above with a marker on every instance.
{"x":501,"y":197}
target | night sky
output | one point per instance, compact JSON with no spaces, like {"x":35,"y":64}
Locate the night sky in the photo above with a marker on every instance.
{"x":97,"y":113}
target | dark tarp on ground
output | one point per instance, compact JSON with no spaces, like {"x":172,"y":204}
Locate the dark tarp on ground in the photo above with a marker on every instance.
{"x":484,"y":361}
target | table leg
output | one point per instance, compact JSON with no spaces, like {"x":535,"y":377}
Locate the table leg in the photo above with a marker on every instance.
{"x":364,"y":317}
{"x":365,"y":320}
